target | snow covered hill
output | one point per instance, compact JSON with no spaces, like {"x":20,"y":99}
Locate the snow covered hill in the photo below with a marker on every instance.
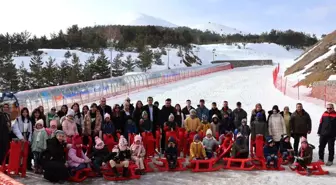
{"x":204,"y":52}
{"x":141,"y":19}
{"x":218,"y":28}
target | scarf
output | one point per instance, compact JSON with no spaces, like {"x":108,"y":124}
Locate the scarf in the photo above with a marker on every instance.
{"x":39,"y":132}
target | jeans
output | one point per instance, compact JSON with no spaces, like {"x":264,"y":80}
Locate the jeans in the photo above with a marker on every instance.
{"x":285,"y":155}
{"x":80,"y":167}
{"x":274,"y":159}
{"x":324,"y":140}
{"x":209,"y":154}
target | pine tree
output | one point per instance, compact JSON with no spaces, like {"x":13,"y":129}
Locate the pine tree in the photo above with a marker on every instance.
{"x":36,"y":74}
{"x":50,"y":72}
{"x":75,"y":75}
{"x":101,"y":67}
{"x":117,"y":65}
{"x":8,"y":74}
{"x":88,"y":70}
{"x":145,"y":60}
{"x":157,"y":58}
{"x":63,"y":72}
{"x":129,"y":64}
{"x":23,"y":76}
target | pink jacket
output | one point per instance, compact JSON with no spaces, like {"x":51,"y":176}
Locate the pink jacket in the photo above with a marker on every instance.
{"x":73,"y":160}
{"x":138,"y":150}
{"x":69,"y":127}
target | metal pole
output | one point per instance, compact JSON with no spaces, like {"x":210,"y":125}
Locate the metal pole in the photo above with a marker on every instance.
{"x":111,"y":50}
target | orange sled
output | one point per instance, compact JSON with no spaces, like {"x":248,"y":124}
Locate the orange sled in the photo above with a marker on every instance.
{"x":110,"y":176}
{"x":165,"y":166}
{"x":204,"y":165}
{"x":315,"y":168}
{"x":81,"y":175}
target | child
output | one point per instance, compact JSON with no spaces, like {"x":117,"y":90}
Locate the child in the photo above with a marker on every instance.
{"x":240,"y":148}
{"x":138,"y":153}
{"x":192,"y":123}
{"x":209,"y":142}
{"x":39,"y":144}
{"x":77,"y":160}
{"x":305,"y":156}
{"x":197,"y":152}
{"x":215,"y":124}
{"x":108,"y":126}
{"x":205,"y":124}
{"x":244,"y":129}
{"x":270,"y":153}
{"x":286,"y":148}
{"x":120,"y":157}
{"x":170,"y":125}
{"x":172,"y":153}
{"x":146,"y":124}
{"x":100,"y":152}
{"x":226,"y":125}
{"x":53,"y":128}
{"x":69,"y":125}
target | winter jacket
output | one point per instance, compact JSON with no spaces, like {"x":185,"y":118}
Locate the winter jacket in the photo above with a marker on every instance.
{"x":55,"y":150}
{"x":214,"y":112}
{"x":210,"y":144}
{"x":156,"y":116}
{"x":307,"y":154}
{"x":172,"y":151}
{"x":79,"y":120}
{"x":284,"y":146}
{"x":130,"y":127}
{"x":192,"y":125}
{"x":300,"y":124}
{"x":138,"y":149}
{"x":205,"y":126}
{"x":327,"y":125}
{"x":197,"y":150}
{"x":146,"y":126}
{"x":69,"y":127}
{"x":118,"y":123}
{"x":73,"y":160}
{"x":186,"y":111}
{"x":179,"y":119}
{"x":117,"y":155}
{"x":18,"y":128}
{"x":276,"y":126}
{"x":164,"y":114}
{"x":100,"y":154}
{"x":254,"y":114}
{"x":108,"y":128}
{"x":39,"y":141}
{"x":237,"y":116}
{"x":226,"y":110}
{"x":170,"y":125}
{"x":50,"y":117}
{"x":104,"y":110}
{"x":88,"y":120}
{"x":287,"y":120}
{"x":268,"y":151}
{"x":137,"y":115}
{"x":240,"y":146}
{"x":200,"y":111}
{"x":126,"y":115}
{"x":226,"y":125}
{"x":131,"y":107}
{"x":215,"y":125}
{"x":245,"y":130}
{"x":258,"y":127}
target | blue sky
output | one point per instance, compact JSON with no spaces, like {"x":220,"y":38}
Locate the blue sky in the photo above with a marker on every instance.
{"x":45,"y":16}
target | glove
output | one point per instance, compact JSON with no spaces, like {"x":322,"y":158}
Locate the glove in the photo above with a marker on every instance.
{"x":87,"y":160}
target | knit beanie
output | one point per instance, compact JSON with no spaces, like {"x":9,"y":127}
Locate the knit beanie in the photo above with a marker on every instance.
{"x":77,"y":140}
{"x":99,"y":143}
{"x":144,"y":113}
{"x":196,"y":137}
{"x":193,"y":112}
{"x":107,"y":115}
{"x":40,"y":121}
{"x":171,"y":116}
{"x":70,"y":113}
{"x":137,"y":138}
{"x":209,"y":132}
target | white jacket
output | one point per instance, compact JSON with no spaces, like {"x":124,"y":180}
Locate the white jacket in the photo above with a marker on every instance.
{"x":276,"y":126}
{"x":18,"y":128}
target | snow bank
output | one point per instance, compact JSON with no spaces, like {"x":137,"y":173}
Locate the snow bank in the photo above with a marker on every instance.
{"x":332,"y":77}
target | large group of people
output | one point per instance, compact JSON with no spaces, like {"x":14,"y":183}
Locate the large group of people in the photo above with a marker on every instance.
{"x":48,"y":133}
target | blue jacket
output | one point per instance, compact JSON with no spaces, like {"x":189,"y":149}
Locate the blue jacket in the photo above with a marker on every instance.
{"x":268,"y":151}
{"x":108,"y":128}
{"x":202,"y":111}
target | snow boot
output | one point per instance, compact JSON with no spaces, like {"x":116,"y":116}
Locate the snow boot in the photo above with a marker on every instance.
{"x":309,"y":172}
{"x":137,"y":171}
{"x":125,"y":172}
{"x":142,"y":172}
{"x":115,"y":171}
{"x":329,"y":163}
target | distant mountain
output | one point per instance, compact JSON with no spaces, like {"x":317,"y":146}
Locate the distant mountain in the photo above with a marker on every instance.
{"x":218,"y":28}
{"x":140,"y":19}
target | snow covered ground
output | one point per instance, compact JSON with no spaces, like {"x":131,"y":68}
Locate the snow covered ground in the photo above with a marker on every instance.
{"x":218,"y":28}
{"x":249,"y":85}
{"x":223,"y":52}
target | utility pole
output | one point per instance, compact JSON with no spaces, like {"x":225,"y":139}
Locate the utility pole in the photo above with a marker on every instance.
{"x":213,"y":54}
{"x":111,"y":58}
{"x":168,"y":57}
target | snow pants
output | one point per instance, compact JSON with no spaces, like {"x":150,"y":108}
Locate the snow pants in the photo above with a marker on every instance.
{"x":139,"y":161}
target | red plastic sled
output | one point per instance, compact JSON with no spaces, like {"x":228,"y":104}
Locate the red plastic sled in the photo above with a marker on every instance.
{"x":204,"y":165}
{"x":81,"y":175}
{"x":109,"y":141}
{"x":182,"y":140}
{"x":165,"y":166}
{"x":109,"y":175}
{"x":158,"y":139}
{"x":315,"y":168}
{"x":149,"y":143}
{"x":244,"y":164}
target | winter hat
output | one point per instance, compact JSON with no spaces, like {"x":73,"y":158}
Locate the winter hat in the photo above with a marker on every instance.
{"x":244,"y":120}
{"x":137,"y":138}
{"x":171,"y":140}
{"x":204,"y":117}
{"x":209,"y":132}
{"x":285,"y":136}
{"x":99,"y":143}
{"x":269,"y":141}
{"x":59,"y":132}
{"x":275,"y":107}
{"x":53,"y":123}
{"x":214,"y":116}
{"x":303,"y":140}
{"x":107,"y":115}
{"x":70,"y":113}
{"x":171,"y":116}
{"x":122,"y":143}
{"x":259,"y":115}
{"x":196,"y":137}
{"x":239,"y":135}
{"x":144,"y":113}
{"x":76,"y":140}
{"x":193,"y":112}
{"x":40,"y":121}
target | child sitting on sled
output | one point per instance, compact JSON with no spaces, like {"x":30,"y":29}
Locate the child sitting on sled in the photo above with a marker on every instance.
{"x":138,"y":153}
{"x":197,"y":151}
{"x":270,"y":153}
{"x":210,"y":143}
{"x":171,"y":153}
{"x":305,"y":155}
{"x":205,"y":125}
{"x":100,"y":152}
{"x":286,"y":148}
{"x":240,"y":148}
{"x":120,"y":157}
{"x":146,"y":125}
{"x":77,"y":160}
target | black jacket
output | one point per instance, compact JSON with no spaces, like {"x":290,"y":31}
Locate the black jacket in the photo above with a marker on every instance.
{"x":300,"y":124}
{"x":225,"y":125}
{"x":327,"y":125}
{"x":4,"y":135}
{"x":131,"y":107}
{"x":186,"y":112}
{"x":55,"y":151}
{"x":106,"y":109}
{"x":100,"y":154}
{"x":214,"y":111}
{"x":118,"y":156}
{"x":137,"y":115}
{"x":156,"y":114}
{"x":164,"y":114}
{"x":284,"y":146}
{"x":254,"y":114}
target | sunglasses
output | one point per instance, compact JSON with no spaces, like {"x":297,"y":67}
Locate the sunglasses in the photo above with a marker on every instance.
{"x":329,"y":108}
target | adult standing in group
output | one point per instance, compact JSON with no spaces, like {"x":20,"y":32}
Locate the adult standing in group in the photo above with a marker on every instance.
{"x":327,"y":133}
{"x":238,"y":115}
{"x":4,"y":134}
{"x":131,"y":104}
{"x":92,"y":123}
{"x":137,"y":113}
{"x":165,"y":112}
{"x":226,"y":109}
{"x":153,"y":113}
{"x":300,"y":124}
{"x":286,"y":115}
{"x":276,"y":125}
{"x":258,"y":109}
{"x":103,"y":108}
{"x":202,"y":110}
{"x":54,"y":159}
{"x":214,"y":111}
{"x":186,"y":110}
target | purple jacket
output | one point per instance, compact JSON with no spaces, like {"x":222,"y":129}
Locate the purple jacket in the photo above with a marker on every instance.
{"x":73,"y":160}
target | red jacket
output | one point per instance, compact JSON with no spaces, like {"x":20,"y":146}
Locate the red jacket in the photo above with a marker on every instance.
{"x":327,"y":125}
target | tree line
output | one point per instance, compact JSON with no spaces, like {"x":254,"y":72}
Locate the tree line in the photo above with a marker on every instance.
{"x":71,"y":70}
{"x":130,"y":38}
